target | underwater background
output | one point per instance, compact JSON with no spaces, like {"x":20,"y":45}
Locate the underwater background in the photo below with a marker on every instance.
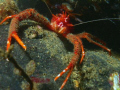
{"x":49,"y":53}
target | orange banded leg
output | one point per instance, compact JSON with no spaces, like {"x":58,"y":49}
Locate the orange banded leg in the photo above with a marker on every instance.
{"x":69,"y":67}
{"x":77,"y":49}
{"x":16,"y":37}
{"x":82,"y":49}
{"x":104,"y":47}
{"x":89,"y":36}
{"x":8,"y":17}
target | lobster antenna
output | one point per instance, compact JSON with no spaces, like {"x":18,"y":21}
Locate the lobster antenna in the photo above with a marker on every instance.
{"x":48,"y":7}
{"x":97,"y":20}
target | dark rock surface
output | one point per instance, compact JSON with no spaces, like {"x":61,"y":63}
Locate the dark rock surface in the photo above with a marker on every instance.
{"x":50,"y":58}
{"x":48,"y":54}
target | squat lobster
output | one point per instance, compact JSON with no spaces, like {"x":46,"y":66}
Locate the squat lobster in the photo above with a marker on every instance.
{"x":60,"y":24}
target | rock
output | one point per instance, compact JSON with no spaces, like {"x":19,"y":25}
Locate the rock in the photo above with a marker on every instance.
{"x":96,"y":69}
{"x":50,"y":58}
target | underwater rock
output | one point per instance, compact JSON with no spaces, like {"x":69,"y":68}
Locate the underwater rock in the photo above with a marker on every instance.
{"x":48,"y":54}
{"x":96,"y":69}
{"x":7,"y":8}
{"x":50,"y":58}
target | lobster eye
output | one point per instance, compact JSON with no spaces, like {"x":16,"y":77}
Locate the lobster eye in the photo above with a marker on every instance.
{"x":66,"y":19}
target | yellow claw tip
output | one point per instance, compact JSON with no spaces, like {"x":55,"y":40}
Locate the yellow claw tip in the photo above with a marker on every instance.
{"x":54,"y":79}
{"x":7,"y":59}
{"x":25,"y":48}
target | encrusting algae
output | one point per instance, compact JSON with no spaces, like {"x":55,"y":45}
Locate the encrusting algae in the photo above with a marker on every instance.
{"x":8,"y":7}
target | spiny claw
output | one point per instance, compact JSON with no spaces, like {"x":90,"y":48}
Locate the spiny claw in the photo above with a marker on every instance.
{"x":16,"y":37}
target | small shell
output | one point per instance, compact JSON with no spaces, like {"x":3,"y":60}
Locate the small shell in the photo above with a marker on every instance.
{"x":17,"y":71}
{"x":114,"y":81}
{"x":76,"y":83}
{"x":30,"y":67}
{"x":26,"y":86}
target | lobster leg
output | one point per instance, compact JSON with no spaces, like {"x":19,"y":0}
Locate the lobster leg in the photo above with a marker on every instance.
{"x":82,"y":48}
{"x":8,"y":17}
{"x":77,"y":49}
{"x":69,"y":67}
{"x":16,"y":37}
{"x":26,"y":14}
{"x":100,"y":44}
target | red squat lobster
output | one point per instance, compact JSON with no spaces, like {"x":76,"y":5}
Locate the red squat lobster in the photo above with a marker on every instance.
{"x":60,"y":24}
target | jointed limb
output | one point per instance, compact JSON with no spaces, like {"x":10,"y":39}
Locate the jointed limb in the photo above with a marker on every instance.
{"x":89,"y":37}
